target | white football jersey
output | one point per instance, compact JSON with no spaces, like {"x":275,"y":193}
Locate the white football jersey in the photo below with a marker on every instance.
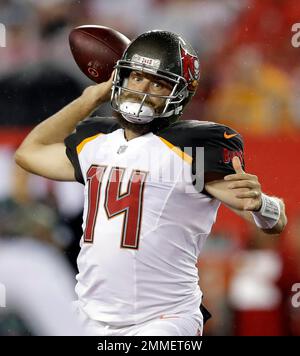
{"x":145,"y":219}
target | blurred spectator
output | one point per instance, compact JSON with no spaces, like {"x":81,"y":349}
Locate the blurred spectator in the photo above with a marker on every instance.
{"x":55,"y":20}
{"x":214,"y":274}
{"x":267,"y":26}
{"x":254,"y":293}
{"x":22,"y":38}
{"x":39,"y":282}
{"x":65,"y":197}
{"x":130,"y":18}
{"x":206,"y":24}
{"x":252,"y":96}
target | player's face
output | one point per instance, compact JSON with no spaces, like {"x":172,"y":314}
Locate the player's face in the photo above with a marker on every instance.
{"x":150,"y":84}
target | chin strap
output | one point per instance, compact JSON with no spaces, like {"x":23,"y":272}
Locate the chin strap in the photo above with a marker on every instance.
{"x":137,"y":113}
{"x":137,"y":120}
{"x":143,"y":114}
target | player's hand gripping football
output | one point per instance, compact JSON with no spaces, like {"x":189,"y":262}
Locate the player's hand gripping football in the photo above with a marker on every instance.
{"x":98,"y":94}
{"x":246,"y":187}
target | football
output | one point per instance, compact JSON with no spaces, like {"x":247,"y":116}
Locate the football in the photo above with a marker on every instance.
{"x":96,"y":49}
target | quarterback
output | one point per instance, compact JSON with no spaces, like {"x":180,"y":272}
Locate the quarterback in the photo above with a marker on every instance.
{"x":146,"y":218}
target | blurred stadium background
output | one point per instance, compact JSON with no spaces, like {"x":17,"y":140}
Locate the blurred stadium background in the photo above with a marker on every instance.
{"x":250,"y":81}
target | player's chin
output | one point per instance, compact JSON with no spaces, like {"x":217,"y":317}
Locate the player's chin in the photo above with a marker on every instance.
{"x":140,"y":129}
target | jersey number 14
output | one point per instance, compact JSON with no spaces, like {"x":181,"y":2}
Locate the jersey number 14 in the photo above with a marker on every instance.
{"x":129,"y":204}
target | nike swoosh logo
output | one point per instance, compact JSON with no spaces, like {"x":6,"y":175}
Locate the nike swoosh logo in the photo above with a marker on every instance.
{"x":227,"y":136}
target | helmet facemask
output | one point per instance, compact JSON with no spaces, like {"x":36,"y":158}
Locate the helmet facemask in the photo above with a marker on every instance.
{"x":140,"y":111}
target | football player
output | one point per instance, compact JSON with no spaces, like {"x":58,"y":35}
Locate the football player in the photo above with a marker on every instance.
{"x":153,"y":186}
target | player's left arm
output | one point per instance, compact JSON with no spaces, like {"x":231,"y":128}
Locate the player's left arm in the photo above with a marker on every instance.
{"x":241,"y":192}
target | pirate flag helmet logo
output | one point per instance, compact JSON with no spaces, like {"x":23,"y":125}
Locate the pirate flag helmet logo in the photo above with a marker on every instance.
{"x":190,"y":69}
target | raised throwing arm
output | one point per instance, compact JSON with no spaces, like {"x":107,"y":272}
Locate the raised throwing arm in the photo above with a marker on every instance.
{"x":43,"y":151}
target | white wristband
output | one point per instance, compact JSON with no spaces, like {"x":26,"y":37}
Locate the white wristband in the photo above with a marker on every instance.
{"x":269,"y":213}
